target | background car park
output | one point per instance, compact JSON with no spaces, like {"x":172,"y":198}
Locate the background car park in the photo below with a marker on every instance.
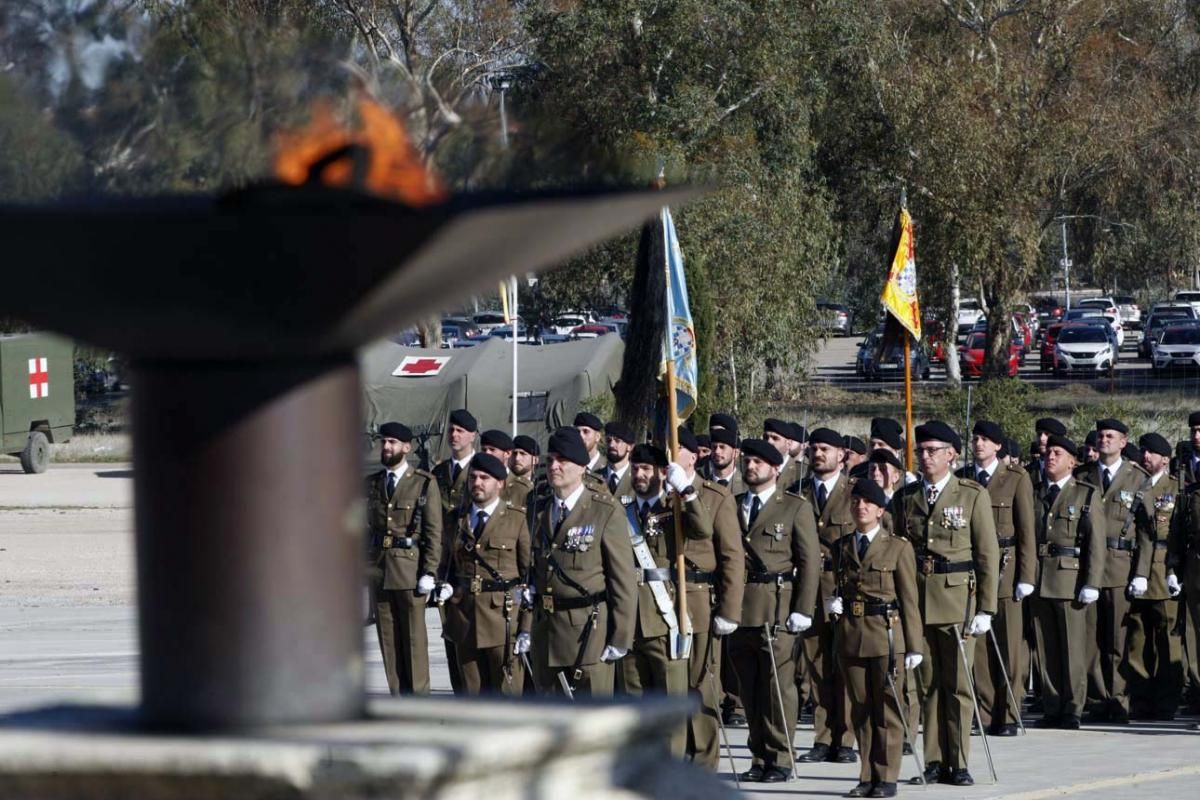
{"x":835,"y":318}
{"x":970,"y":311}
{"x":1131,"y":313}
{"x":973,"y":352}
{"x":1159,"y":320}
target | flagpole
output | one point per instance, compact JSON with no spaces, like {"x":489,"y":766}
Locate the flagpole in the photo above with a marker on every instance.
{"x":514,"y":323}
{"x":673,"y":438}
{"x":908,"y":408}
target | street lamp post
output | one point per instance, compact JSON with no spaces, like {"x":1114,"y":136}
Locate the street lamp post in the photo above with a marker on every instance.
{"x":1065,"y":263}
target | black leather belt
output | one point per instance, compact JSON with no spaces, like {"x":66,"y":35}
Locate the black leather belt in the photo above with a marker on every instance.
{"x":478,"y":585}
{"x":826,"y":564}
{"x":1009,"y":541}
{"x":1120,"y":544}
{"x":696,"y":576}
{"x":936,"y":565}
{"x":399,"y":542}
{"x":768,"y":577}
{"x":1059,"y":550}
{"x":650,"y":575}
{"x":1160,"y":544}
{"x":551,"y":604}
{"x":871,"y":608}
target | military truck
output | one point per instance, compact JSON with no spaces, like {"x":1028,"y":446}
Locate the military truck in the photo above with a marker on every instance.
{"x":37,"y":396}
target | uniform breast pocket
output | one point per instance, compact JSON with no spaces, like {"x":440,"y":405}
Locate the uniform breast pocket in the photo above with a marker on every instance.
{"x":1069,"y":563}
{"x":879,"y":578}
{"x":1003,"y":514}
{"x":775,"y":541}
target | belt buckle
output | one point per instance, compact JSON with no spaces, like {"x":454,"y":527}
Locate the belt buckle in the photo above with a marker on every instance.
{"x":548,"y":603}
{"x":476,"y":584}
{"x":927,"y":566}
{"x":858,"y":608}
{"x":387,"y":542}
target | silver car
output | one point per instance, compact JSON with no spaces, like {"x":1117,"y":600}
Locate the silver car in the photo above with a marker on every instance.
{"x":1179,"y":348}
{"x":1083,"y":348}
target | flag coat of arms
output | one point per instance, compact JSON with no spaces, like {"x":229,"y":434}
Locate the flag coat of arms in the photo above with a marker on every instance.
{"x":680,"y":344}
{"x":899,"y":296}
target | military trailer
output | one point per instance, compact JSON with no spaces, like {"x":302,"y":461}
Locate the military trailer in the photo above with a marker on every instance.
{"x":37,"y":396}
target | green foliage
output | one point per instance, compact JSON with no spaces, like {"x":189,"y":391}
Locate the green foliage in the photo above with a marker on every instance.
{"x":1006,"y":401}
{"x":39,"y":162}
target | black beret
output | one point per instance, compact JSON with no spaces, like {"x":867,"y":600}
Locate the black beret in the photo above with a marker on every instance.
{"x":568,"y":444}
{"x":1155,"y":443}
{"x":1091,"y":439}
{"x":1194,"y":419}
{"x":1131,"y":452}
{"x":486,"y":462}
{"x":989,"y":430}
{"x":1035,"y":449}
{"x":826,"y":436}
{"x":703,"y":440}
{"x":648,"y":454}
{"x":856,"y":444}
{"x":936,"y":430}
{"x":773,"y":425}
{"x":721,"y":420}
{"x":723,"y":436}
{"x":881,"y":456}
{"x":617,"y":430}
{"x":688,"y":439}
{"x":1112,"y":425}
{"x":888,"y":431}
{"x":395,"y":430}
{"x":799,"y":433}
{"x":1003,"y":451}
{"x":1059,"y":440}
{"x":463,"y":419}
{"x":526,"y":443}
{"x":762,"y":449}
{"x":1011,"y":448}
{"x":497,"y":439}
{"x":869,"y":491}
{"x":1050,"y":426}
{"x":585,"y":420}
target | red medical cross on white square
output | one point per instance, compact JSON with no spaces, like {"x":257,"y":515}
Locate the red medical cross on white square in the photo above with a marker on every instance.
{"x":39,"y":378}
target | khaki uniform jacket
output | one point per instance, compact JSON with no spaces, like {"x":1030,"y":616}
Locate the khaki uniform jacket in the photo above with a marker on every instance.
{"x":791,"y":475}
{"x":959,"y":527}
{"x":722,"y":555}
{"x":516,"y":491}
{"x":1062,"y":576}
{"x":736,"y":485}
{"x":832,"y":524}
{"x":659,"y":534}
{"x":784,"y":538}
{"x":624,"y":485}
{"x":1183,"y":552}
{"x":603,"y":565}
{"x":454,"y":492}
{"x":1115,"y":506}
{"x":1154,"y":533}
{"x":887,"y":574}
{"x":414,"y":513}
{"x":1013,"y":511}
{"x":475,"y":617}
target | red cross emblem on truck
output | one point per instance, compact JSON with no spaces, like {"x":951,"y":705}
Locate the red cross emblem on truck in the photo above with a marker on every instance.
{"x":39,"y":378}
{"x":419,"y":366}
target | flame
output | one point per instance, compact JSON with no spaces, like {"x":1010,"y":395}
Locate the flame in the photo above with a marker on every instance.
{"x":394,"y":171}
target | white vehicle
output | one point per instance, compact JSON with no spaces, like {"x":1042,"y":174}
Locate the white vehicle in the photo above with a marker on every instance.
{"x":1192,"y":298}
{"x":970,"y":311}
{"x":1114,"y":320}
{"x":487,"y":321}
{"x":1131,"y":312}
{"x":1106,"y":304}
{"x":1083,"y":348}
{"x":569,"y":321}
{"x":1179,"y":348}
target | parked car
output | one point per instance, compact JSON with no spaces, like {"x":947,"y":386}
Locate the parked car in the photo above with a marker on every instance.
{"x":892,"y":363}
{"x":1030,"y":317}
{"x":617,"y":325}
{"x":565,"y":323}
{"x":1046,"y":358}
{"x":1084,"y":348}
{"x":1049,"y":310}
{"x":505,"y":332}
{"x":1131,"y":312}
{"x":450,"y":335}
{"x":1106,"y":305}
{"x":1192,"y":298}
{"x":1179,"y":348}
{"x":973,"y":352}
{"x":935,"y":339}
{"x":589,"y":331}
{"x":1114,"y":320}
{"x":1157,"y":322}
{"x":835,"y":318}
{"x":1077,"y":313}
{"x":486,"y":321}
{"x":970,"y":311}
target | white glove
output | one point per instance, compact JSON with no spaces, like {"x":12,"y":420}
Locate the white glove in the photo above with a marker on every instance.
{"x":1173,"y":587}
{"x":797,"y":623}
{"x":980,"y":624}
{"x":611,"y":653}
{"x":913,"y":660}
{"x":1137,"y":586}
{"x":425,"y":584}
{"x":1023,"y":591}
{"x":444,"y":593}
{"x":1088,"y":595}
{"x":833,"y":605}
{"x":527,"y":595}
{"x":722,"y":626}
{"x":521,"y":645}
{"x":677,"y":479}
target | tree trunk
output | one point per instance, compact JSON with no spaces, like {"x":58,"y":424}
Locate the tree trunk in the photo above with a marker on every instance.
{"x":950,"y":346}
{"x":430,"y":331}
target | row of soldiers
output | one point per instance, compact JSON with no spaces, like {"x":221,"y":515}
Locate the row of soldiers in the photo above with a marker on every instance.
{"x":811,"y":568}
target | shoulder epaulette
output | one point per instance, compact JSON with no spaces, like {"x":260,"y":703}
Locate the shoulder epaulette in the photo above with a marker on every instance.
{"x":603,"y":497}
{"x":793,"y":493}
{"x":1140,"y":469}
{"x":967,"y":483}
{"x":1017,"y":468}
{"x":424,"y":472}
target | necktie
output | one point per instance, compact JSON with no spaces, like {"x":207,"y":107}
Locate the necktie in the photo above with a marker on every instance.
{"x":391,"y":484}
{"x":723,"y":481}
{"x":984,"y":477}
{"x":562,"y":515}
{"x":931,"y":495}
{"x":822,"y":497}
{"x":863,"y":543}
{"x":455,"y":471}
{"x":1052,"y":495}
{"x":481,"y":519}
{"x":1107,"y":479}
{"x":643,"y":512}
{"x":612,"y":481}
{"x":755,"y":507}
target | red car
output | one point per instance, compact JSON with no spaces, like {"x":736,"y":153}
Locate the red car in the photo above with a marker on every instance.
{"x":1047,"y":357}
{"x":935,"y":340}
{"x":971,"y":356}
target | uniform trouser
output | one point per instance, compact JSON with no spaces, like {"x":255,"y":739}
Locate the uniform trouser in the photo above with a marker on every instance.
{"x":1154,"y":662}
{"x":875,"y":715}
{"x":1191,"y":648}
{"x":911,"y":680}
{"x":1106,"y":635}
{"x":770,"y":730}
{"x":703,"y":741}
{"x":649,"y":668}
{"x":994,"y":705}
{"x":403,"y":640}
{"x":831,"y":715}
{"x":730,"y":701}
{"x":1061,"y":627}
{"x":482,"y":670}
{"x":452,"y":660}
{"x":948,"y":707}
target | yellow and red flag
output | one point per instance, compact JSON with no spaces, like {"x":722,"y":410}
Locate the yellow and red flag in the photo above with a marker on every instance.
{"x":899,"y":296}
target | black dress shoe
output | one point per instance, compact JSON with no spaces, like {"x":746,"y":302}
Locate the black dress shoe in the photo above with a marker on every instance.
{"x":842,"y":755}
{"x":1069,"y":723}
{"x":1004,"y":730}
{"x":862,"y":790}
{"x":818,"y":753}
{"x":906,"y":750}
{"x":1097,"y":716}
{"x":776,"y":775}
{"x":733,"y":718}
{"x":883,"y":790}
{"x":961,"y":777}
{"x":933,"y":771}
{"x":1049,"y":722}
{"x":752,"y":775}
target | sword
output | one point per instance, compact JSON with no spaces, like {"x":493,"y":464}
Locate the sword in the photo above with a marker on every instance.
{"x":716,"y":692}
{"x":962,"y":651}
{"x":566,"y":687}
{"x":1012,"y":698}
{"x":529,"y":672}
{"x":769,"y":634}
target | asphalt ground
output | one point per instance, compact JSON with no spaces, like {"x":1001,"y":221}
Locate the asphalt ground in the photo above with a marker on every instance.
{"x":68,"y":635}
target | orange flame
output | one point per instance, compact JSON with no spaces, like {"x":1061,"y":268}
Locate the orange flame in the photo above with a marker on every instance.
{"x":394,"y":171}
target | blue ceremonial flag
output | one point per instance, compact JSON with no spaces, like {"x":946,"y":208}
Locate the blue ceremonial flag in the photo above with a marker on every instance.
{"x":680,"y":346}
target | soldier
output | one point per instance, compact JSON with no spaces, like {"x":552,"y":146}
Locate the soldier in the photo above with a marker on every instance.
{"x":725,"y":457}
{"x":1187,"y":469}
{"x":726,"y":472}
{"x":716,"y":579}
{"x":828,"y":494}
{"x":404,"y":515}
{"x":1045,"y":428}
{"x":884,"y":469}
{"x":1072,"y":553}
{"x":779,"y":435}
{"x":783,"y":563}
{"x":1090,"y":452}
{"x":887,"y":434}
{"x":1012,"y":511}
{"x":704,"y":458}
{"x":949,"y":522}
{"x":585,"y":607}
{"x":1187,"y":466}
{"x":1183,"y":555}
{"x":524,"y":459}
{"x":499,"y":444}
{"x":856,"y":453}
{"x":489,"y":556}
{"x":1153,"y":654}
{"x":877,"y":584}
{"x":798,"y":451}
{"x":590,"y":427}
{"x":1122,"y":485}
{"x":616,"y":473}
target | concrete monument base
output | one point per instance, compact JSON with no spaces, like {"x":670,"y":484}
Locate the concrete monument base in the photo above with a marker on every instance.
{"x":406,"y":748}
